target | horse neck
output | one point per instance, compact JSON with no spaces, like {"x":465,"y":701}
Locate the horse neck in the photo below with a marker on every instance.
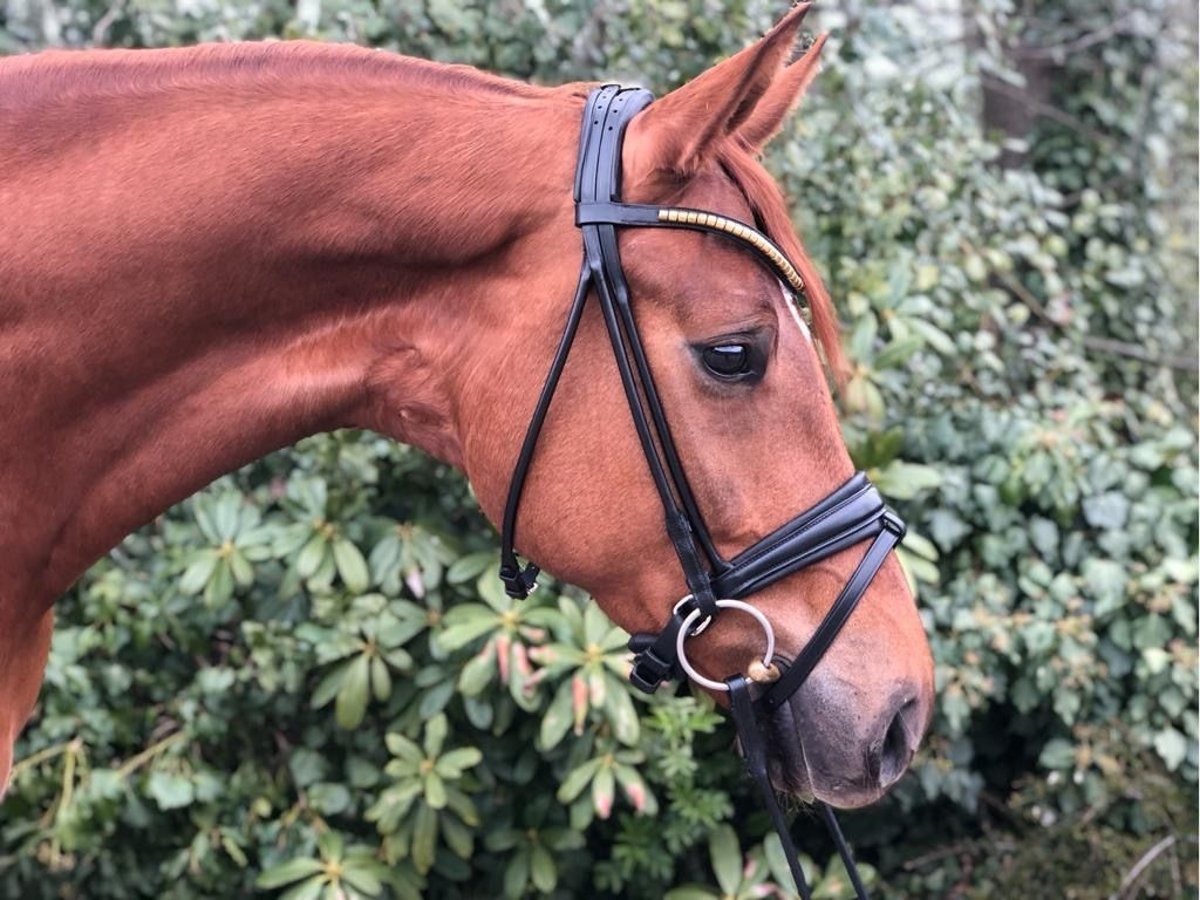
{"x":203,"y":262}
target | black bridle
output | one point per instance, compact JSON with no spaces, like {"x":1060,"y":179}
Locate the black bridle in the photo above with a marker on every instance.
{"x":853,"y":513}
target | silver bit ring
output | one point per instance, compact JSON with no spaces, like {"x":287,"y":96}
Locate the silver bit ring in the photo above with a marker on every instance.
{"x":685,"y":633}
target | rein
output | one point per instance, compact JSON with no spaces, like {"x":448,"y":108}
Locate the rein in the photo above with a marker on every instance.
{"x":851,"y":514}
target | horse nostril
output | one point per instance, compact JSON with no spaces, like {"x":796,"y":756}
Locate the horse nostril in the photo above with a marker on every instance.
{"x":898,"y":747}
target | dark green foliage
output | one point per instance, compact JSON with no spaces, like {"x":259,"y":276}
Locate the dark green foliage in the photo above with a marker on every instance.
{"x":306,"y":678}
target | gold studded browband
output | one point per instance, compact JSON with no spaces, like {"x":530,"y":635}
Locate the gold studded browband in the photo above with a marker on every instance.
{"x":677,"y":217}
{"x":743,"y":233}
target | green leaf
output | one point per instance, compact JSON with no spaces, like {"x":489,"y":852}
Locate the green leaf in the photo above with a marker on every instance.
{"x":329,"y":799}
{"x":464,"y":624}
{"x":351,"y":566}
{"x":502,"y":839}
{"x":385,"y":558}
{"x":726,"y":854}
{"x":451,"y":765}
{"x":331,"y":844}
{"x":897,"y":353}
{"x":516,"y":874}
{"x":781,"y":872}
{"x":198,"y":572}
{"x":435,"y":735}
{"x":329,"y":686}
{"x":312,"y":494}
{"x":462,"y":806}
{"x":353,"y":694}
{"x":1172,"y":747}
{"x":425,"y":831}
{"x":225,"y":516}
{"x":603,"y":790}
{"x":203,"y":511}
{"x":169,"y":790}
{"x":242,"y":571}
{"x":220,"y":586}
{"x":577,"y":780}
{"x":404,"y":748}
{"x":435,"y":791}
{"x":236,"y":853}
{"x":311,"y":556}
{"x":363,"y":879}
{"x":470,"y":566}
{"x":1057,"y":754}
{"x":556,"y":721}
{"x":542,"y":869}
{"x":479,"y":672}
{"x":934,"y":337}
{"x":308,"y":890}
{"x":903,"y":481}
{"x":381,"y":679}
{"x":621,"y":712}
{"x":1106,"y":510}
{"x":307,"y":766}
{"x":458,"y":836}
{"x":286,"y":873}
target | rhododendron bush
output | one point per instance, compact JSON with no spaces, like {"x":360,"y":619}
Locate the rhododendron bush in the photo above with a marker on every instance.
{"x":307,"y":681}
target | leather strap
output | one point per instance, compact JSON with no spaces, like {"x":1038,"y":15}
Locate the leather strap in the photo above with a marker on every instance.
{"x":518,"y":581}
{"x":744,"y":235}
{"x":846,"y":602}
{"x":852,"y":513}
{"x":849,"y":515}
{"x":754,"y":755}
{"x":843,"y":849}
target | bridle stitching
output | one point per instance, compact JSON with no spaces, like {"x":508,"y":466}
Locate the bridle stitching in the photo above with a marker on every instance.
{"x":771,"y":542}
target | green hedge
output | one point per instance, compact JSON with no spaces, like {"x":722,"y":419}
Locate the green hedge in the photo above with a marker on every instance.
{"x":307,"y":677}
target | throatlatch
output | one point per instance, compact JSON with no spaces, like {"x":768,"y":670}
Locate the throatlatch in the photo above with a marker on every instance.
{"x":853,"y":513}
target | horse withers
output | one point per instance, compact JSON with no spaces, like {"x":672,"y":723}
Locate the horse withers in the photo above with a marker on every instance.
{"x":207,"y":254}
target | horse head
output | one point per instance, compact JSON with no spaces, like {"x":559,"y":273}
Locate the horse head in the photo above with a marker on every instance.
{"x":740,"y":380}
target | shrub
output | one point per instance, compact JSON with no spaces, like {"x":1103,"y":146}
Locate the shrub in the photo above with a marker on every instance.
{"x":306,"y":678}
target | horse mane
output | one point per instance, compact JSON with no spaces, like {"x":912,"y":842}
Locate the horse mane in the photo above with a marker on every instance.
{"x":770,"y":209}
{"x":76,"y":73}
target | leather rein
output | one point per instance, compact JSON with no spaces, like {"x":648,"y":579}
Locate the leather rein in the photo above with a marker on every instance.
{"x":851,"y":514}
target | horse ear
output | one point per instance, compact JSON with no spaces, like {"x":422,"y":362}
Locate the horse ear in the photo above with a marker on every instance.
{"x":675,"y":134}
{"x":781,"y":98}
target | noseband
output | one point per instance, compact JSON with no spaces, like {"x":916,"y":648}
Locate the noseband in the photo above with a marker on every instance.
{"x":853,"y":513}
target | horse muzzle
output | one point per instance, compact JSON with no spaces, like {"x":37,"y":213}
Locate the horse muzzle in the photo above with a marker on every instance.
{"x":830,"y":742}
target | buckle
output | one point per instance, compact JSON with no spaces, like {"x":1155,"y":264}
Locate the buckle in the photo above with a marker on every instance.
{"x":689,"y":602}
{"x":650,"y":670}
{"x":519,"y":583}
{"x":892,"y":522}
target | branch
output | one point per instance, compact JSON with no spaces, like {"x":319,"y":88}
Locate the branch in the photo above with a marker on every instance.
{"x":105,"y":22}
{"x":1051,"y":112}
{"x":1135,"y":873}
{"x":967,"y":846}
{"x":1186,"y":362}
{"x":1085,"y":40}
{"x":134,"y":763}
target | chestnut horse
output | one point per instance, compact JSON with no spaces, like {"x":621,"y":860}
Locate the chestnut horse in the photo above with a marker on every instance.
{"x":207,"y":254}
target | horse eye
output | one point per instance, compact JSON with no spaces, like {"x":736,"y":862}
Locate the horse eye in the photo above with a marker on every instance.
{"x":727,"y":360}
